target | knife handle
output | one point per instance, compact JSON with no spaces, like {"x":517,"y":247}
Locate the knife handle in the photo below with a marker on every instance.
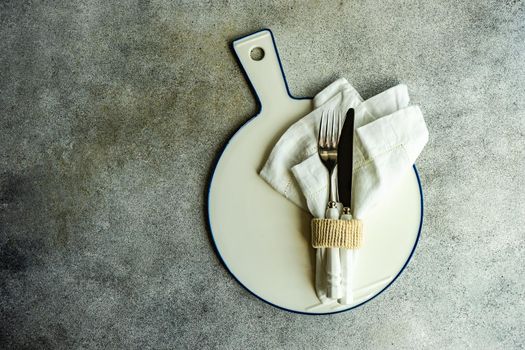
{"x":346,"y":256}
{"x":333,"y":262}
{"x":346,"y":214}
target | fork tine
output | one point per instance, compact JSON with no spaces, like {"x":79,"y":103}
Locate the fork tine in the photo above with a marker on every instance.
{"x":335,"y":129}
{"x":322,"y":130}
{"x":338,"y":132}
{"x":328,"y":131}
{"x":339,"y":125}
{"x":332,"y":129}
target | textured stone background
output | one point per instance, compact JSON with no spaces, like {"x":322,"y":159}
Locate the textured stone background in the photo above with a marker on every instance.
{"x":112,"y":115}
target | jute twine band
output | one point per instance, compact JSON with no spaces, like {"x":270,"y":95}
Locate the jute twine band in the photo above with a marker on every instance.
{"x":331,"y":233}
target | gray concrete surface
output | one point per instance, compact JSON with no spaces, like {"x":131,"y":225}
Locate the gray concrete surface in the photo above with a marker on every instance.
{"x":113,"y":112}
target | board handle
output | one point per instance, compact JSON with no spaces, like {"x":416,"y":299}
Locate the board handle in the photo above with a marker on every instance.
{"x":258,"y":57}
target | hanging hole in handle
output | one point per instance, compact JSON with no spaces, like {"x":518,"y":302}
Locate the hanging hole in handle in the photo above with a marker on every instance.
{"x":257,"y":53}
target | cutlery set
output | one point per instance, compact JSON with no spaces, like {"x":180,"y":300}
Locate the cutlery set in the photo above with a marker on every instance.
{"x":335,"y":149}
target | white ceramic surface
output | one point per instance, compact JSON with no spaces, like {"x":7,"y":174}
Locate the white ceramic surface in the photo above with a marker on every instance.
{"x":262,"y":238}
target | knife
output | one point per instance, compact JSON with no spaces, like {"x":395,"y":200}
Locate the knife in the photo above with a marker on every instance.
{"x":345,"y":159}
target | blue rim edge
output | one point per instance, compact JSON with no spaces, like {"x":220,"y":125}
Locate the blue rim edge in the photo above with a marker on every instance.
{"x":219,"y":155}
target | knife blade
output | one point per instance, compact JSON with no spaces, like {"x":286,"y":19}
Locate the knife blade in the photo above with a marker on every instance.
{"x":345,"y":159}
{"x":345,"y":155}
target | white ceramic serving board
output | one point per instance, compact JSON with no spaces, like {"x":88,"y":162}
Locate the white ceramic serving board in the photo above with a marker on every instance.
{"x":262,"y":238}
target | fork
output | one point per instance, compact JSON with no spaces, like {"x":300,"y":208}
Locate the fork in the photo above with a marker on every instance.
{"x":329,"y":130}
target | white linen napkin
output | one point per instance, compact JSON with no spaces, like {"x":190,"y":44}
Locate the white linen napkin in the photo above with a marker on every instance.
{"x":389,"y":136}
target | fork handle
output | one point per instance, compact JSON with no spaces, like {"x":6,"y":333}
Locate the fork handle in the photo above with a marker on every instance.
{"x":333,"y":262}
